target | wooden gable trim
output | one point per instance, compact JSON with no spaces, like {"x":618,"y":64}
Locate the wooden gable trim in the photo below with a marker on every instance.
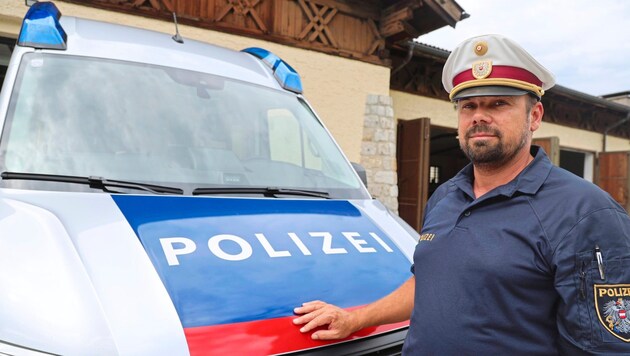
{"x":345,"y":28}
{"x":358,"y":29}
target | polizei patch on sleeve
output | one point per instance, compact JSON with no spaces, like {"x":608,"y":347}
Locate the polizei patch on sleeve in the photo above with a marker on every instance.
{"x":612,"y":303}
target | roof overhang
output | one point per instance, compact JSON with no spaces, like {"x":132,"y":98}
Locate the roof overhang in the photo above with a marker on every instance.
{"x":408,"y":19}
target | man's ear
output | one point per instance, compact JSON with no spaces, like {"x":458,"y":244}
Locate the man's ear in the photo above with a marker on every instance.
{"x":536,"y":116}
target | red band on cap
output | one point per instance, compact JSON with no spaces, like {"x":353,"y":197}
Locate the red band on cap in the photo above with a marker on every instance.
{"x":500,"y":72}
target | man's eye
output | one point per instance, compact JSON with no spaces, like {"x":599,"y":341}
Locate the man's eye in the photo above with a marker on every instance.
{"x":500,"y":103}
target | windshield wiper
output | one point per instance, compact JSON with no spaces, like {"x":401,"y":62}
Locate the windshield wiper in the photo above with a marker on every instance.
{"x":266,"y":191}
{"x":93,"y":182}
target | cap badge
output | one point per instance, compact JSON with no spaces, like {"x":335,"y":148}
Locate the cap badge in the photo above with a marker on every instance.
{"x":481,"y":48}
{"x":481,"y":69}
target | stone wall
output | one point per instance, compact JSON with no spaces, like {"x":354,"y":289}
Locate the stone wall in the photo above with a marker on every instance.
{"x":378,"y":150}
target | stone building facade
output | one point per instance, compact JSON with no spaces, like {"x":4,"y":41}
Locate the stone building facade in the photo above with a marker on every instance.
{"x":378,"y":150}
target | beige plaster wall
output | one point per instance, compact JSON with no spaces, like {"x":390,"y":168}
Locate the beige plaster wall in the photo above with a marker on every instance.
{"x":409,"y":106}
{"x":581,"y":139}
{"x":442,"y":113}
{"x":621,"y":99}
{"x":336,"y":87}
{"x":9,"y":25}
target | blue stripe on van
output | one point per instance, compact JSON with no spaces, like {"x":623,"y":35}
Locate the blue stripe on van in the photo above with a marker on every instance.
{"x":229,"y":260}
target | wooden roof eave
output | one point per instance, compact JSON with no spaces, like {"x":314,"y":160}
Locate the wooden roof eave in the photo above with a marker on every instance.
{"x":449,"y":11}
{"x":593,"y":100}
{"x":408,"y":19}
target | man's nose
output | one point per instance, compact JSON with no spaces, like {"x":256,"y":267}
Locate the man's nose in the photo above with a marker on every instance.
{"x":481,"y":116}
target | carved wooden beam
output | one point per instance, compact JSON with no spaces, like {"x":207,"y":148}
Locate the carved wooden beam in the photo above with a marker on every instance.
{"x":242,"y":8}
{"x":393,"y":22}
{"x":421,"y":76}
{"x":378,"y":45}
{"x":395,"y":19}
{"x":154,"y":4}
{"x":319,"y":17}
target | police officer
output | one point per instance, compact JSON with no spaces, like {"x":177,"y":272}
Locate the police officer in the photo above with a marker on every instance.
{"x":526,"y":258}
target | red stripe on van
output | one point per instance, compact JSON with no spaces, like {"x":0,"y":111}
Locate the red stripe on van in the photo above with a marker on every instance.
{"x":262,"y":337}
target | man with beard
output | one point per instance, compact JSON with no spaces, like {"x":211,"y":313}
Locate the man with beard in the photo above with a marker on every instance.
{"x":524,"y":256}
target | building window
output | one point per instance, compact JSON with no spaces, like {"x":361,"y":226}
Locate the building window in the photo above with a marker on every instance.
{"x":578,"y":162}
{"x":434,"y":175}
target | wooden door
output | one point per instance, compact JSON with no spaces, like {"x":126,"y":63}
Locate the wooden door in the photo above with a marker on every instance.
{"x":412,"y":156}
{"x":614,"y":174}
{"x":551,"y":145}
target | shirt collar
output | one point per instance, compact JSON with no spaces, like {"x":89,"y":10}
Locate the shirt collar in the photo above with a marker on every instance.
{"x":528,"y":181}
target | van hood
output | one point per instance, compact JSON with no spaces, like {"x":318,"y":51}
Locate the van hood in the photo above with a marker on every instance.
{"x":139,"y":274}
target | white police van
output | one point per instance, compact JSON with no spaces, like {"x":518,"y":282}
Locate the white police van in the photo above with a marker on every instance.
{"x":169,"y":198}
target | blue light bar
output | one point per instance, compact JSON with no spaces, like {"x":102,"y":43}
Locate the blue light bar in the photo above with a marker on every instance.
{"x":288,"y":78}
{"x":41,"y":27}
{"x":269,"y":58}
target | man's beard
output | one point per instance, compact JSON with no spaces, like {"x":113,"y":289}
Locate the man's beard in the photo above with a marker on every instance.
{"x":483,"y":153}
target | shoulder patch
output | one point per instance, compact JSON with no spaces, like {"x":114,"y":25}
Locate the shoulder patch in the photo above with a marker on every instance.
{"x":612,"y":304}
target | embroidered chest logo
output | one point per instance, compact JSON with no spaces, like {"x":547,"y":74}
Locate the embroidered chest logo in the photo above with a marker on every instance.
{"x":426,"y":237}
{"x":613,"y":309}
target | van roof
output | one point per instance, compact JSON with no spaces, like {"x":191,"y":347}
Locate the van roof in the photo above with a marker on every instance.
{"x":119,"y":42}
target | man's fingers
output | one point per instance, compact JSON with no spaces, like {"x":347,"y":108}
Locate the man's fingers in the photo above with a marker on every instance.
{"x":313,"y":302}
{"x":309,"y":311}
{"x":327,"y":335}
{"x":317,"y":314}
{"x":317,"y":321}
{"x":309,"y":307}
{"x":305,"y":318}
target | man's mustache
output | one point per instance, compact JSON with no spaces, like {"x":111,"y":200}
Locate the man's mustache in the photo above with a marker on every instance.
{"x":483,"y":129}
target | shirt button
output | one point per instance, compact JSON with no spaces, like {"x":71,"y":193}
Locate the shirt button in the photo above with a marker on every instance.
{"x":467,"y":213}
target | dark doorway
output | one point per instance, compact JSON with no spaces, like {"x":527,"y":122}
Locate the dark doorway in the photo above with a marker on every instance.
{"x":573,"y":162}
{"x":446,"y":159}
{"x":6,"y":48}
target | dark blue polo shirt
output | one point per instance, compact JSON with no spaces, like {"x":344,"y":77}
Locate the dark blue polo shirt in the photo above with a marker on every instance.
{"x":514,"y":272}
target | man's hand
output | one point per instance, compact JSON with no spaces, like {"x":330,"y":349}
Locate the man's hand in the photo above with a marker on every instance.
{"x":392,"y":308}
{"x":341,"y":323}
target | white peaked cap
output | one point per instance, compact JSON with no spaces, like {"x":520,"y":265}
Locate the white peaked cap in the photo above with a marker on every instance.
{"x":493,"y":65}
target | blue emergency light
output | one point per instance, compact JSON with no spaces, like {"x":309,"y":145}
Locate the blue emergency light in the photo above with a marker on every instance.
{"x":41,"y":27}
{"x":288,"y":78}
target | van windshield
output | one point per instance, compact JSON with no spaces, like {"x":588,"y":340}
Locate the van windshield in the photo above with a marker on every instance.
{"x":81,"y":116}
